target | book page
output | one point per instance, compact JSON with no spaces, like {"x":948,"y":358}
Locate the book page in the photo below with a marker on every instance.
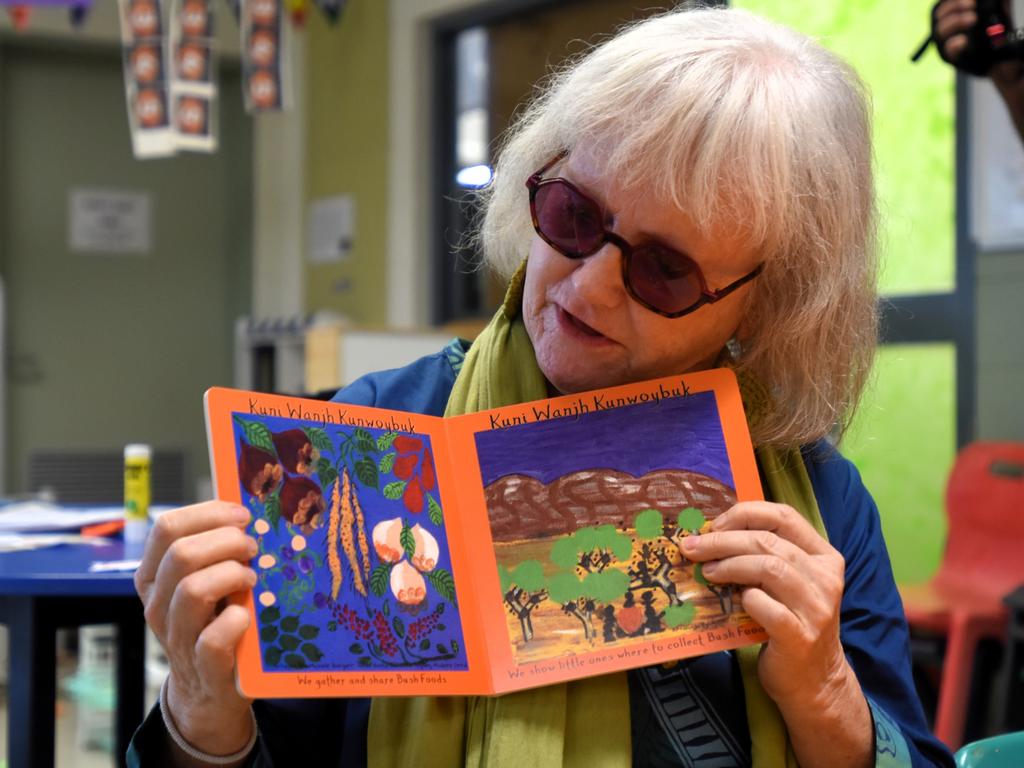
{"x":360,"y":589}
{"x":584,"y":501}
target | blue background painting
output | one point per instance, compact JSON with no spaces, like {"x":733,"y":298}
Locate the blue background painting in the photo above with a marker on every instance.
{"x":353,"y":632}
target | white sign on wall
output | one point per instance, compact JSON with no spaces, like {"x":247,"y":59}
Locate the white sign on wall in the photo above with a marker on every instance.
{"x":331,"y":229}
{"x":109,"y":221}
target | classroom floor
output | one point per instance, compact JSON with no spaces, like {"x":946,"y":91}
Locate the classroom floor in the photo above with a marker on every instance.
{"x":69,"y":753}
{"x":72,"y":751}
{"x":85,"y":732}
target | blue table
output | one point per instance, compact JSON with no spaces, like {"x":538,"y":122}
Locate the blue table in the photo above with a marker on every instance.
{"x":41,"y":590}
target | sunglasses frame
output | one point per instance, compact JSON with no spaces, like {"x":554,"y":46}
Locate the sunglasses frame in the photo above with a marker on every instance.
{"x":707,"y":296}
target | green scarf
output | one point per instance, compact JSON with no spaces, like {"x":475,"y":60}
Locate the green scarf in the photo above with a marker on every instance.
{"x":584,"y":723}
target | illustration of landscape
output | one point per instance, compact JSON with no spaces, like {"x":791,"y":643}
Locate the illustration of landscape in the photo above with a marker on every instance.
{"x":353,"y":564}
{"x":587,"y":514}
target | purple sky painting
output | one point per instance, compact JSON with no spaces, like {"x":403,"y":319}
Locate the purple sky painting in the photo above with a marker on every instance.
{"x":675,"y":433}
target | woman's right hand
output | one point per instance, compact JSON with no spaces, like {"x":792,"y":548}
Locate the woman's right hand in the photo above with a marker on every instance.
{"x":195,"y":558}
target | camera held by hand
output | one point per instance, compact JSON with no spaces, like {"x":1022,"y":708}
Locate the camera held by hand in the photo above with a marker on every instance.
{"x":993,"y":39}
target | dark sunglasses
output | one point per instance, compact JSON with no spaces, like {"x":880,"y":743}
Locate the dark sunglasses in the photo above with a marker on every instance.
{"x":662,"y":279}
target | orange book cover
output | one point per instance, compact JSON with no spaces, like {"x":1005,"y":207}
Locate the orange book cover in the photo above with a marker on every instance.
{"x":402,"y":554}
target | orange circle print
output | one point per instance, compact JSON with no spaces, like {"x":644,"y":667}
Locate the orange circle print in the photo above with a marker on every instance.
{"x":263,"y":90}
{"x":263,"y":11}
{"x":144,"y":18}
{"x":194,"y":17}
{"x":145,"y":62}
{"x":149,"y":108}
{"x":192,"y":62}
{"x":192,"y":115}
{"x":263,"y":48}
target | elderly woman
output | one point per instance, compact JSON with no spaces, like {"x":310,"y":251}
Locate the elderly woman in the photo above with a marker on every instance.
{"x":696,"y":192}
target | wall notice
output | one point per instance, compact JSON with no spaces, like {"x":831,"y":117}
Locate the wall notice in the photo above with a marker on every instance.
{"x":109,"y":221}
{"x":331,"y":228}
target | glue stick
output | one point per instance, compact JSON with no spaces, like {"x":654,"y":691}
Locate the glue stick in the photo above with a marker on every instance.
{"x":137,"y":459}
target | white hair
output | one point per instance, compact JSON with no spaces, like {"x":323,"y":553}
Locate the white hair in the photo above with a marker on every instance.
{"x":740,"y":122}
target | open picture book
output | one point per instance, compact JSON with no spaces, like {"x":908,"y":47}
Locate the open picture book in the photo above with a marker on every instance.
{"x":402,"y":554}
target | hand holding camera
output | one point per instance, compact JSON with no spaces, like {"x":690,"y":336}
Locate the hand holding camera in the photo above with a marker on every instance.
{"x":977,"y":35}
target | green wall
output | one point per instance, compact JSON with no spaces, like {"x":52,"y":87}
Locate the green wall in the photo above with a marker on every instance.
{"x":913,"y":126}
{"x":904,"y":437}
{"x":903,"y":441}
{"x":347,"y":153}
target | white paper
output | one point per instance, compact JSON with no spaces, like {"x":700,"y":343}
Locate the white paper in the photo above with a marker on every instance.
{"x":193,"y":85}
{"x":113,"y":566}
{"x":109,"y":221}
{"x":149,"y":107}
{"x":27,"y":516}
{"x":38,"y":516}
{"x":16,"y":542}
{"x":331,"y":229}
{"x":266,"y":54}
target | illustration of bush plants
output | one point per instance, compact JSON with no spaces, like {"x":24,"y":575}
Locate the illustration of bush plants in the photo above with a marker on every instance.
{"x":351,"y":573}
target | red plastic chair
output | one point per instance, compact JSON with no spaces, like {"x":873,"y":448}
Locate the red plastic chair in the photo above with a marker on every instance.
{"x":983,"y":561}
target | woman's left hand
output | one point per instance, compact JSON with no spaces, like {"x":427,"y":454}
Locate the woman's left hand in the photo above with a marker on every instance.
{"x":792,"y":585}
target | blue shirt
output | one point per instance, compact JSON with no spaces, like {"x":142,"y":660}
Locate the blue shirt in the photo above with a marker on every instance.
{"x":690,"y":715}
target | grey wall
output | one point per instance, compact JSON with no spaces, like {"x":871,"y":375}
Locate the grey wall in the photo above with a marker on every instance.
{"x":106,"y":349}
{"x":1000,"y":316}
{"x":995,"y":178}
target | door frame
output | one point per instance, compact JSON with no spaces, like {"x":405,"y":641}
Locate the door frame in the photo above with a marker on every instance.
{"x":417,"y":30}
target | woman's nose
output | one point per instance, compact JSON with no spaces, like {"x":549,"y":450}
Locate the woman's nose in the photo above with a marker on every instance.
{"x":597,"y":278}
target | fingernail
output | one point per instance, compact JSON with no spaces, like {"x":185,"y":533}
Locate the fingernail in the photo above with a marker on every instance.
{"x":252,"y":578}
{"x":710,"y":567}
{"x":690,"y":543}
{"x":253,"y":546}
{"x":242,"y":514}
{"x":719,"y":521}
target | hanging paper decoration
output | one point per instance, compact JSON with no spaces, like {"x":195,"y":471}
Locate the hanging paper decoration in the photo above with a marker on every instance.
{"x":263,"y":56}
{"x":20,"y":15}
{"x":146,"y":78}
{"x":193,"y":81}
{"x":331,"y":9}
{"x":78,"y":11}
{"x":20,"y":11}
{"x":298,"y":10}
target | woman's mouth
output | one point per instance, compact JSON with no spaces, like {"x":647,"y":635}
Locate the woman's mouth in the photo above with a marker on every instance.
{"x":577,"y":329}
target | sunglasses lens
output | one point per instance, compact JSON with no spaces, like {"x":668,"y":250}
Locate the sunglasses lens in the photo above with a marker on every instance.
{"x":568,"y":220}
{"x":666,"y":280}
